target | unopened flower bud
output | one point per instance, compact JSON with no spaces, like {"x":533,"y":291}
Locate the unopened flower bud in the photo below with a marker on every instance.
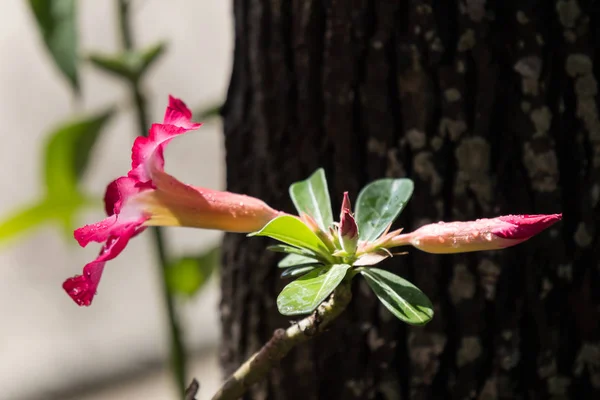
{"x":346,"y":205}
{"x":482,"y":234}
{"x":348,"y":232}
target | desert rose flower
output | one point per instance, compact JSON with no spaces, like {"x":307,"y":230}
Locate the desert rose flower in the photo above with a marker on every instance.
{"x":148,"y":196}
{"x":482,"y":234}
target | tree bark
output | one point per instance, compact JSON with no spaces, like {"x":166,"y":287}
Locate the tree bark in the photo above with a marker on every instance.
{"x":491,"y":108}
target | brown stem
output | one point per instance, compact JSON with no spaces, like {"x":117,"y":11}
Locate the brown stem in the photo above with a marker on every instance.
{"x":282,"y":341}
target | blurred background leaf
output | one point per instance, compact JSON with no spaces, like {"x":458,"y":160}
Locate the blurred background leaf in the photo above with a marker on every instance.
{"x":46,"y":211}
{"x":67,"y":155}
{"x":68,"y":151}
{"x":130,"y":65}
{"x":56,"y":20}
{"x":188,"y":274}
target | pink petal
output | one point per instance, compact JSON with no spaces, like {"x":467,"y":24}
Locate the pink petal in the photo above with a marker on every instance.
{"x":147,"y":152}
{"x":179,"y":115}
{"x":526,"y":226}
{"x":121,"y":216}
{"x":82,"y":288}
{"x":109,"y":227}
{"x":117,"y":192}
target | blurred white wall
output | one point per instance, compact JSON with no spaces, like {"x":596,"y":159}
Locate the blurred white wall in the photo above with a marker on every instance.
{"x":47,"y":343}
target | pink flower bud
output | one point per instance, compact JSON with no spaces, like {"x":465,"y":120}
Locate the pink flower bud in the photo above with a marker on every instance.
{"x":348,"y":232}
{"x":482,"y":234}
{"x":346,"y":205}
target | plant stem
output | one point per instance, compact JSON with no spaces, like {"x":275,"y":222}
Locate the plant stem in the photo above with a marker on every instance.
{"x":124,"y":24}
{"x":178,"y":357}
{"x":282,"y":341}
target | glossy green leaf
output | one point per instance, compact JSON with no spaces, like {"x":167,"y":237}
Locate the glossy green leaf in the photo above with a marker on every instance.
{"x":130,"y":65}
{"x":297,"y":271}
{"x":292,"y":260}
{"x":402,"y":298}
{"x":311,"y":197}
{"x":189,"y":274}
{"x":57,"y":22}
{"x":291,"y":230}
{"x":305,"y":294}
{"x":379,"y":204}
{"x":67,"y":154}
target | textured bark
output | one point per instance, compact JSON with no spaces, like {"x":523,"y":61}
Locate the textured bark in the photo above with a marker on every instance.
{"x":491,"y":108}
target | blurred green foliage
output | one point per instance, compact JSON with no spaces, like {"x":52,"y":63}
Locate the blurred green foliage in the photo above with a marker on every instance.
{"x":130,"y":65}
{"x":66,"y":158}
{"x":57,"y":23}
{"x":68,"y":151}
{"x":188,"y":274}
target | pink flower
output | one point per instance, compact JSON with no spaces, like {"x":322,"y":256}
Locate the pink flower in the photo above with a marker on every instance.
{"x":482,"y":234}
{"x":148,"y":196}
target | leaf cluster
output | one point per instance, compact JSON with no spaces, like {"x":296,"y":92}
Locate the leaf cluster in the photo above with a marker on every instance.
{"x":313,"y":258}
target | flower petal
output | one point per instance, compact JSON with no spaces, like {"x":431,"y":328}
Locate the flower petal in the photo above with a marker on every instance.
{"x":121,"y":211}
{"x":147,"y":152}
{"x":179,"y":115}
{"x":117,"y":192}
{"x":82,"y":288}
{"x":526,"y":226}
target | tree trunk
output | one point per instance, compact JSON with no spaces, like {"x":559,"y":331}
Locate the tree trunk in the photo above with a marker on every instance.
{"x":490,"y":107}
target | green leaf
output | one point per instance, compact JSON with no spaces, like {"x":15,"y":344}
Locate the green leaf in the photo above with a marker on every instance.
{"x":130,"y":65}
{"x":24,"y":219}
{"x":304,"y":295}
{"x":402,"y":298}
{"x":379,"y":204}
{"x":56,"y":20}
{"x":297,"y":271}
{"x":47,"y":211}
{"x":291,"y":230}
{"x":188,"y":274}
{"x":294,"y":260}
{"x":67,"y":154}
{"x":311,"y":197}
{"x":284,"y":248}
